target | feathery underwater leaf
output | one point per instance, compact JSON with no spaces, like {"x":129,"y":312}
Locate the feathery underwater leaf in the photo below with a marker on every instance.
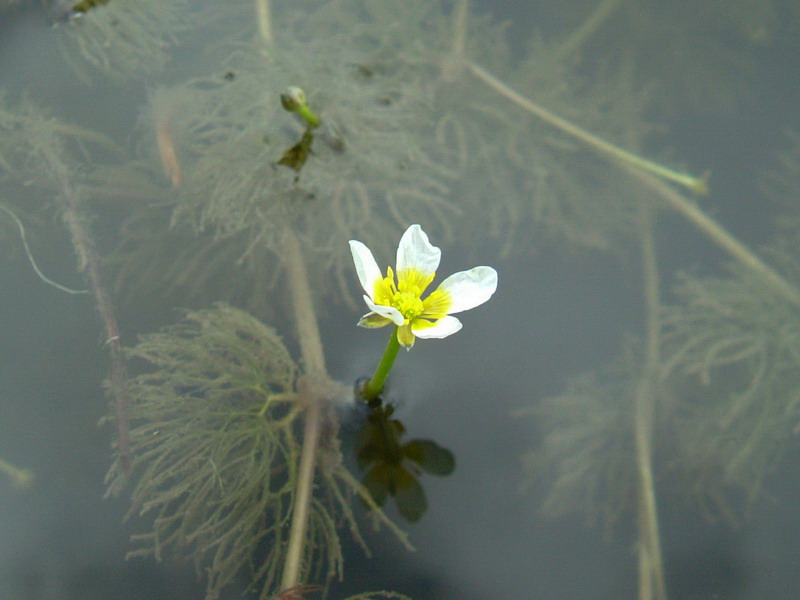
{"x":587,"y":446}
{"x":736,"y":343}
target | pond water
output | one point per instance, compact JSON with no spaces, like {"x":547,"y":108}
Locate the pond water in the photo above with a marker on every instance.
{"x":622,"y":411}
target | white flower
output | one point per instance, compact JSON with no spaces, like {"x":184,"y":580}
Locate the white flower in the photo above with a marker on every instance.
{"x":401,"y":302}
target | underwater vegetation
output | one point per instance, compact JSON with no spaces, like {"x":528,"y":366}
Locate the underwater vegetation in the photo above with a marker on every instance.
{"x":258,"y":137}
{"x":213,"y":432}
{"x":119,"y":39}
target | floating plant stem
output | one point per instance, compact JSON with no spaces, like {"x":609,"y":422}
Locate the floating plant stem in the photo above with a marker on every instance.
{"x":264,"y":20}
{"x":697,"y":185}
{"x":653,"y":175}
{"x":305,"y":478}
{"x":89,"y":263}
{"x":452,"y":65}
{"x":305,"y":315}
{"x":720,"y":236}
{"x":651,"y":570}
{"x":315,"y":384}
{"x":374,"y":386}
{"x":460,"y":27}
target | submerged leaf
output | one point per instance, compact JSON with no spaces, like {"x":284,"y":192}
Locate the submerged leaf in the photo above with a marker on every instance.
{"x":85,"y":5}
{"x":410,"y":497}
{"x":296,"y":156}
{"x":392,"y":468}
{"x":430,"y":456}
{"x":735,"y":343}
{"x":587,"y":446}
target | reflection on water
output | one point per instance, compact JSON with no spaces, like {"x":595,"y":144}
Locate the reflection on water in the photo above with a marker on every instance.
{"x":392,"y":467}
{"x":636,"y":372}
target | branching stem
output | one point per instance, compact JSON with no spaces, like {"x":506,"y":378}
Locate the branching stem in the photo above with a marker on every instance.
{"x":89,"y":263}
{"x":315,"y":384}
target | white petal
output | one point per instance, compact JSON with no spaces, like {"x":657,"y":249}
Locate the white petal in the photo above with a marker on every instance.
{"x":366,"y":267}
{"x":416,"y":252}
{"x":389,"y":312}
{"x":468,"y":289}
{"x":441,"y":329}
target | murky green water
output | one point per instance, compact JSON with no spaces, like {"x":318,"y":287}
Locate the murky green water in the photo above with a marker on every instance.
{"x":622,"y":413}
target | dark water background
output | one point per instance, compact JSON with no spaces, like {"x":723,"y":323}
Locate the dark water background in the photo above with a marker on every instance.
{"x":555,"y":314}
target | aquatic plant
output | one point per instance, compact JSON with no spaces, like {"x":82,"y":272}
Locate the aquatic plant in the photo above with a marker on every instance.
{"x":736,"y":343}
{"x":411,"y":112}
{"x":213,"y":432}
{"x":631,"y":417}
{"x":121,"y":38}
{"x":399,"y":302}
{"x":40,"y":150}
{"x":367,"y":143}
{"x":713,"y":44}
{"x":403,"y":137}
{"x":586,"y":446}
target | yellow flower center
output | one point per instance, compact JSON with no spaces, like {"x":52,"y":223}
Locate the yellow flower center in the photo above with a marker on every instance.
{"x":406,"y":295}
{"x":409,"y":304}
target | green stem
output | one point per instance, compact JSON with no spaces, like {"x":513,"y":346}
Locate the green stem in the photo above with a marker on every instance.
{"x":309,"y":116}
{"x":651,"y":569}
{"x":720,"y":236}
{"x":294,"y":100}
{"x":375,"y":385}
{"x":698,"y":185}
